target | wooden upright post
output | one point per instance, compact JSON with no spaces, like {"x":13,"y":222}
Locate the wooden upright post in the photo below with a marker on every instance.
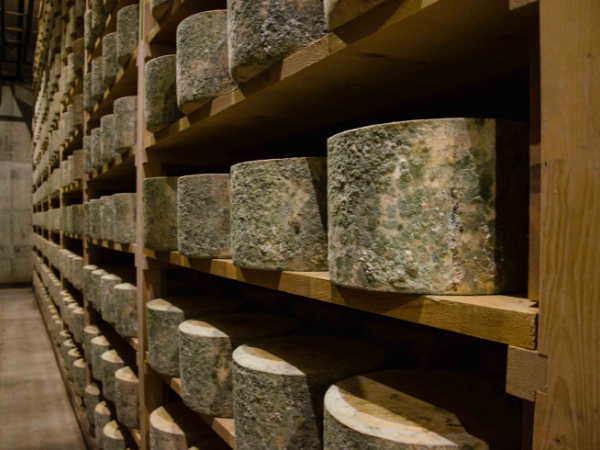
{"x":567,"y":416}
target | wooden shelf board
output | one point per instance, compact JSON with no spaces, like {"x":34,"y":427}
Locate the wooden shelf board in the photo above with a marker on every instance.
{"x":122,"y":167}
{"x":73,"y":236}
{"x":125,"y":84}
{"x":126,"y":248}
{"x":72,"y":188}
{"x":499,"y":318}
{"x":165,"y":32}
{"x":223,"y":427}
{"x":393,"y":54}
{"x":137,"y":437}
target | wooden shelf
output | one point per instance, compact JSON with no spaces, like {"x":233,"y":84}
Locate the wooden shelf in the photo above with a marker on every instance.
{"x":122,"y":167}
{"x":223,"y":427}
{"x":389,"y":55}
{"x":165,"y":32}
{"x":73,"y":188}
{"x":137,"y":437}
{"x":126,"y":248}
{"x":499,"y":318}
{"x":75,"y":142}
{"x":73,"y":236}
{"x":125,"y":84}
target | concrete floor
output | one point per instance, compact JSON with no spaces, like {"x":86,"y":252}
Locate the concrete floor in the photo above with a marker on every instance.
{"x":35,"y":412}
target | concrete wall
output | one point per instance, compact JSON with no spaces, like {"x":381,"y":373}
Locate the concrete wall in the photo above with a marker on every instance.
{"x":16,"y":102}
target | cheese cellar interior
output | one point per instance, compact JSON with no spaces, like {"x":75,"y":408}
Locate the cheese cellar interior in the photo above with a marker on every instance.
{"x":319,"y":224}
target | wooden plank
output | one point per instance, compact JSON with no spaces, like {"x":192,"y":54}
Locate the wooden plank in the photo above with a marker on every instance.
{"x":126,"y":248}
{"x":499,"y":318}
{"x":122,"y":167}
{"x":136,"y":435}
{"x":224,"y":427}
{"x":535,"y":155}
{"x":73,"y":187}
{"x":526,"y":373}
{"x":397,"y":52}
{"x":568,"y":415}
{"x":73,"y":236}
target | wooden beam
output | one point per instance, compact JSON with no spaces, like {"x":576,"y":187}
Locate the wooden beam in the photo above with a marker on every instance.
{"x":498,"y":318}
{"x":567,"y":417}
{"x":526,"y":373}
{"x":535,"y":155}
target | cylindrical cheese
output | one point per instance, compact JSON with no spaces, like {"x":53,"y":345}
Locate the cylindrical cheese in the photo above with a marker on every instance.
{"x":205,"y":348}
{"x":175,"y":427}
{"x":279,"y":385}
{"x":107,"y":126}
{"x":163,"y":318}
{"x":110,"y":65}
{"x":203,"y":216}
{"x":263,"y":32}
{"x":125,"y":134}
{"x":111,"y":361}
{"x":127,"y":396}
{"x":421,"y":410}
{"x":127,"y":32}
{"x":103,"y":413}
{"x":429,"y":207}
{"x":161,"y":93}
{"x":202,"y":60}
{"x":125,"y":301}
{"x":79,"y":374}
{"x":124,"y":225}
{"x":159,"y":201}
{"x":279,"y":214}
{"x":93,"y":396}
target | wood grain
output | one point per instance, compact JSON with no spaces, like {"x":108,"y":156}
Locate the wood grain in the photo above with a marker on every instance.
{"x":567,"y":417}
{"x":535,"y":155}
{"x":526,"y":373}
{"x":499,"y":318}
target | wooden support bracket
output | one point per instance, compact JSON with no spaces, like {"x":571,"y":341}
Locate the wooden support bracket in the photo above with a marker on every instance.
{"x":526,"y":373}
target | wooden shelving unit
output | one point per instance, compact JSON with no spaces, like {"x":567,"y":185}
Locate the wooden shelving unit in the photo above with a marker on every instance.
{"x":400,"y":60}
